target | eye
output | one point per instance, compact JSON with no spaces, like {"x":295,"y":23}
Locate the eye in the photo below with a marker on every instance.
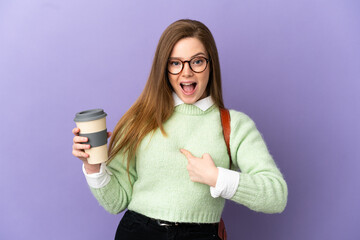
{"x":175,"y":63}
{"x":197,"y":61}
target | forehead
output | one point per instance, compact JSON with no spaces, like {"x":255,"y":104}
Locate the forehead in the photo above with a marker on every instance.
{"x":188,"y":47}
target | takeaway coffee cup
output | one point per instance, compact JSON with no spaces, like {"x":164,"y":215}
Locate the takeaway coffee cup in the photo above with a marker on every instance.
{"x":92,"y":124}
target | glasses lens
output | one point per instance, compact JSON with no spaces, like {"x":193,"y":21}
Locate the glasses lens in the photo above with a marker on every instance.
{"x":198,"y":64}
{"x":174,"y":66}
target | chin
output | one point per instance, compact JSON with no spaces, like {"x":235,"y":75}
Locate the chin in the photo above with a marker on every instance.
{"x":189,"y":100}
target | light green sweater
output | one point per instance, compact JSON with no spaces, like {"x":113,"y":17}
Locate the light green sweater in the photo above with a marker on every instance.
{"x":162,"y":186}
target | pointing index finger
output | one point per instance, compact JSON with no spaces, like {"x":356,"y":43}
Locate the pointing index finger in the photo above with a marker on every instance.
{"x":187,"y":154}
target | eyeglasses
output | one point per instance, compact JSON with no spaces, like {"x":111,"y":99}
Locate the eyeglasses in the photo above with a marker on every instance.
{"x":196,"y":64}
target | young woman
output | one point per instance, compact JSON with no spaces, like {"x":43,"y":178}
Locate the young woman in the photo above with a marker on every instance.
{"x":168,"y":161}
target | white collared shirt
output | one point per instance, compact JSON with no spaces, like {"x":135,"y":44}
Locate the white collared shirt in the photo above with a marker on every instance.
{"x":203,"y":104}
{"x":227,"y":181}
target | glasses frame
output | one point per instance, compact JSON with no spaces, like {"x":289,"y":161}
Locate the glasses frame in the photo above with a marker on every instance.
{"x":188,"y":61}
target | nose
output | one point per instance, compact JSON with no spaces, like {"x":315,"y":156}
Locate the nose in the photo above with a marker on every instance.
{"x":187,"y":72}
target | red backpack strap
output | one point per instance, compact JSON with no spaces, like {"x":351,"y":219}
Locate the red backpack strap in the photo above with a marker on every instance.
{"x":221,"y":230}
{"x":225,"y":122}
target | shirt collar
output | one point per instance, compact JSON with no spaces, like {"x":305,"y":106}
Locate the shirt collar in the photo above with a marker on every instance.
{"x":204,"y":104}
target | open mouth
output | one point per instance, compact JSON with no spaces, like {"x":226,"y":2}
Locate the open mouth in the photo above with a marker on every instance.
{"x":188,"y":88}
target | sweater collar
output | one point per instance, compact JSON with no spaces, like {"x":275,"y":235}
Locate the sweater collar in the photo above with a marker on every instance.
{"x":204,"y":104}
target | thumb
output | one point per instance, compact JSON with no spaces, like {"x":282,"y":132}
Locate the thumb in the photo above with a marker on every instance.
{"x":187,"y":154}
{"x":206,"y":155}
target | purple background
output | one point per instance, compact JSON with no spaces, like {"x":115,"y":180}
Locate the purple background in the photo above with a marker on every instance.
{"x":292,"y":66}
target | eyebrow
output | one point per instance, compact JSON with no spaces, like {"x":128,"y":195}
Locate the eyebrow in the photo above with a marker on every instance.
{"x":199,"y":53}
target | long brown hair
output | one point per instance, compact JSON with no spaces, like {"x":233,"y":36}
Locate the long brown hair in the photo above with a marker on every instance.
{"x":155,"y":104}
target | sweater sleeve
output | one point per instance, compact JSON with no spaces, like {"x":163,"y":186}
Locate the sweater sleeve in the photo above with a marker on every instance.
{"x":116,"y":195}
{"x":262,"y":187}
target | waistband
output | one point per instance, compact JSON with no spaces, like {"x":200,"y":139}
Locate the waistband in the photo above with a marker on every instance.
{"x":167,"y":224}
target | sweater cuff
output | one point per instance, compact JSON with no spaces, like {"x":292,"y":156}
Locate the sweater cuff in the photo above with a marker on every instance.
{"x":100,"y":179}
{"x":226,"y":184}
